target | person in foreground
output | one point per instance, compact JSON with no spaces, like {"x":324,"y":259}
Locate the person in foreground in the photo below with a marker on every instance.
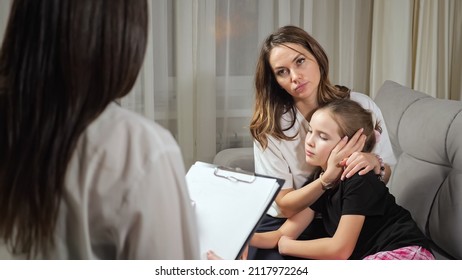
{"x":292,"y":81}
{"x":81,"y":177}
{"x":360,"y":216}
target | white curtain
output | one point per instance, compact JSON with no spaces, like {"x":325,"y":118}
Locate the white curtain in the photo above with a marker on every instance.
{"x":438,"y":51}
{"x":197,"y":80}
{"x":200,"y":73}
{"x":419,"y":44}
{"x":198,"y":76}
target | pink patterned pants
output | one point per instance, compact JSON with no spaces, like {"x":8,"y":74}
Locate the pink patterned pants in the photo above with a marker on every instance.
{"x":404,"y":253}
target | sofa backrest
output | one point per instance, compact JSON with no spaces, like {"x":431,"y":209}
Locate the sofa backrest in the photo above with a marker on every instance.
{"x":426,"y":135}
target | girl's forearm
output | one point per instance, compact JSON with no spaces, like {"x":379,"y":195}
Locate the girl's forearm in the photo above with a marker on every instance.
{"x":265,"y":240}
{"x":319,"y":249}
{"x":297,"y":200}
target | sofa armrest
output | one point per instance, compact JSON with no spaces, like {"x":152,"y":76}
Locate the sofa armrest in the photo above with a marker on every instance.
{"x":236,"y":157}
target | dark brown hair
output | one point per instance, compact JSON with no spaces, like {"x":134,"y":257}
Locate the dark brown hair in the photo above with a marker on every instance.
{"x":272,"y":101}
{"x":61,"y":63}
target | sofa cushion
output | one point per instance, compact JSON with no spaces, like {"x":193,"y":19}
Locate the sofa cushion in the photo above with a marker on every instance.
{"x":425,"y":133}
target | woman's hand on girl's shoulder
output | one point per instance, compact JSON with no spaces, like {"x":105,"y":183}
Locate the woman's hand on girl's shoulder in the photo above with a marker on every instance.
{"x":360,"y":163}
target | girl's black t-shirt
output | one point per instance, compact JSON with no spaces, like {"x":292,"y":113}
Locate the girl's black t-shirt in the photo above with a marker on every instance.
{"x":387,"y":226}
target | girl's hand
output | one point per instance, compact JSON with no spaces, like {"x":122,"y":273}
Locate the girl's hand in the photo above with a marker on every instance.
{"x":360,"y":162}
{"x":339,"y":155}
{"x":283,"y":244}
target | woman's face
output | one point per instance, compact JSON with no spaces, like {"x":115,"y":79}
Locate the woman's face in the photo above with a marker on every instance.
{"x":323,"y":135}
{"x":296,"y":70}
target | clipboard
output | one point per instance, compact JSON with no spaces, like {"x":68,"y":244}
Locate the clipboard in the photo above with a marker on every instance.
{"x":229,"y":203}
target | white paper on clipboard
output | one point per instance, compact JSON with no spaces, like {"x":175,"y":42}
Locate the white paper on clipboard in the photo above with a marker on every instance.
{"x":228,"y":205}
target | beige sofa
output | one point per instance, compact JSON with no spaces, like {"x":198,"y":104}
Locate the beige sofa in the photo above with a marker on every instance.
{"x":426,"y":134}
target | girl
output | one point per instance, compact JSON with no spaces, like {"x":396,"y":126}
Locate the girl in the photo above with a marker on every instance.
{"x":360,"y":216}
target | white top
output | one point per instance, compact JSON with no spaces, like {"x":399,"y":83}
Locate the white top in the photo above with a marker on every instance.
{"x":125,"y":194}
{"x":286,"y":159}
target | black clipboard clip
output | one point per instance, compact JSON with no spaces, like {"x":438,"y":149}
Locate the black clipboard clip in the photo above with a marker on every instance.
{"x":235,"y":174}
